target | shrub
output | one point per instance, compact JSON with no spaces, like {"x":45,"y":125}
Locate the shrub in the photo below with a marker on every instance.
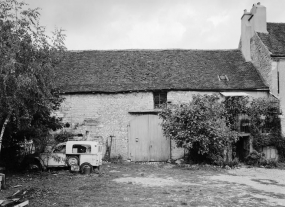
{"x":115,"y":159}
{"x":63,"y":136}
{"x":232,"y":163}
{"x":271,"y":163}
{"x":200,"y":126}
{"x":254,"y":158}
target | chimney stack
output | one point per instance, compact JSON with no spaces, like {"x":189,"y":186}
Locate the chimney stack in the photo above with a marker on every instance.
{"x":258,"y":19}
{"x":251,"y":22}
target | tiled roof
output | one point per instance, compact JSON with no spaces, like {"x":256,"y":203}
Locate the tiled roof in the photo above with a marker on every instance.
{"x":275,"y":39}
{"x":139,"y":70}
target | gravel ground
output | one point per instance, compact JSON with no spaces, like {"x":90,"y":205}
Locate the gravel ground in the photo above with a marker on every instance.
{"x":270,"y":182}
{"x":144,"y":185}
{"x":266,"y":185}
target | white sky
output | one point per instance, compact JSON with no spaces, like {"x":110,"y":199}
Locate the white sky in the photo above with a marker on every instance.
{"x":151,"y":24}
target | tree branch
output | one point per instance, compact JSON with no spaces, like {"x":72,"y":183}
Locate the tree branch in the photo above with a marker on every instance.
{"x":3,"y":129}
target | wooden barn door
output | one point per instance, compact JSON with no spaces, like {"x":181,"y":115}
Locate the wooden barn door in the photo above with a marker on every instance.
{"x":146,"y":140}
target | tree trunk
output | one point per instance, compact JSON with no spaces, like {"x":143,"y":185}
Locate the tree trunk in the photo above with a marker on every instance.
{"x":228,"y":153}
{"x":3,"y":129}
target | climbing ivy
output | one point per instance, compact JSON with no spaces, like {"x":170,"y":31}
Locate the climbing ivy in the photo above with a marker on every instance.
{"x":265,"y":125}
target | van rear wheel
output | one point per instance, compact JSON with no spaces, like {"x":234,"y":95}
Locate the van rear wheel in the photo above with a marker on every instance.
{"x":84,"y":165}
{"x":72,"y":160}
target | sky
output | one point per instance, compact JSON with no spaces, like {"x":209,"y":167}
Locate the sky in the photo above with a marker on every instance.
{"x":150,"y":24}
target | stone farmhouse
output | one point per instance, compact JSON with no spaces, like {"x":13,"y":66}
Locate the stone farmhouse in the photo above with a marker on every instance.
{"x":117,"y":94}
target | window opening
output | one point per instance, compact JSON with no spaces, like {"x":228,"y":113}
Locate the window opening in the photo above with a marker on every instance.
{"x":223,"y":78}
{"x":160,"y":99}
{"x":244,"y":125}
{"x":67,"y":125}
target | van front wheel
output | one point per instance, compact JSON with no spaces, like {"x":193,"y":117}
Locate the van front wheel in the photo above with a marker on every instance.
{"x":72,"y":160}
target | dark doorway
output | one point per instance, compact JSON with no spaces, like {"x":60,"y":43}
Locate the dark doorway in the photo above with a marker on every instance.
{"x":242,"y":148}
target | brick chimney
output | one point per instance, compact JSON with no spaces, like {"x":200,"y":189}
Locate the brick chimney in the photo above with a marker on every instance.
{"x":251,"y":22}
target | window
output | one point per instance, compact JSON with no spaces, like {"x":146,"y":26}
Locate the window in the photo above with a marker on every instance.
{"x":99,"y":148}
{"x":160,"y":99}
{"x":223,"y":78}
{"x":244,"y":125}
{"x":81,"y":148}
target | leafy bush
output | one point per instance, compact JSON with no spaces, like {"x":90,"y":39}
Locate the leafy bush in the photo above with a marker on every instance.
{"x":63,"y":136}
{"x":231,"y":163}
{"x":258,"y":159}
{"x":271,"y":163}
{"x":255,"y":158}
{"x":116,"y":159}
{"x":200,"y":126}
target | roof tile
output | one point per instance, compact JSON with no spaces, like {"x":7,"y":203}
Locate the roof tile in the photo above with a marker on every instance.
{"x":139,"y":70}
{"x":275,"y":39}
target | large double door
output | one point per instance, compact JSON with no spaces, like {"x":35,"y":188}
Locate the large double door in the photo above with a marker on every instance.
{"x":146,"y":140}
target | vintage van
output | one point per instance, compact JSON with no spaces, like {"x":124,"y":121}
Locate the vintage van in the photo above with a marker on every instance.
{"x":80,"y":153}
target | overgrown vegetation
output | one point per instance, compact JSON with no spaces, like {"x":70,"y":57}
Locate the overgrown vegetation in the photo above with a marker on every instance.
{"x":258,"y":159}
{"x":201,"y":127}
{"x":265,"y":125}
{"x":208,"y":127}
{"x":28,"y":92}
{"x":63,"y":136}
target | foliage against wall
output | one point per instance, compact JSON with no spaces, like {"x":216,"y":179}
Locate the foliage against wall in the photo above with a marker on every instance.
{"x":200,"y":126}
{"x":207,"y":125}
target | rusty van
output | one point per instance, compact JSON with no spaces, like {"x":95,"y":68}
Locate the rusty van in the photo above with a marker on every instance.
{"x":67,"y":154}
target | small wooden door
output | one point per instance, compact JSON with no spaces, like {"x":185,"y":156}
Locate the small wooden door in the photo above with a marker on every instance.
{"x":146,"y":140}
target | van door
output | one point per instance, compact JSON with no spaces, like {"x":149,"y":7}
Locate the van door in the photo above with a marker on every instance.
{"x":56,"y":158}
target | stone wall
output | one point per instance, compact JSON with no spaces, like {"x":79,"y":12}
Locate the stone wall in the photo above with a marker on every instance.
{"x":177,"y":97}
{"x":268,"y":69}
{"x":107,"y":115}
{"x":261,"y":60}
{"x":281,"y":69}
{"x":104,"y":115}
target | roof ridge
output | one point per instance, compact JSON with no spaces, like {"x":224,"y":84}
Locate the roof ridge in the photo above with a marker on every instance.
{"x":134,"y":50}
{"x":275,"y":22}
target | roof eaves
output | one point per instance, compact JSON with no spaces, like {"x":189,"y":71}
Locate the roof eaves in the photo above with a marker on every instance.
{"x":277,"y":55}
{"x":186,"y":89}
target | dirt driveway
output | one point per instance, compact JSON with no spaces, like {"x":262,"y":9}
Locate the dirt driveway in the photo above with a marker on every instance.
{"x":154,"y":185}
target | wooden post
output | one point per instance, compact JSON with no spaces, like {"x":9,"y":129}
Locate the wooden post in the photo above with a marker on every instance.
{"x":108,"y":148}
{"x":2,"y":181}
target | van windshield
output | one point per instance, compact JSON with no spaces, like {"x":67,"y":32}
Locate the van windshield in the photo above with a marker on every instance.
{"x":60,"y":149}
